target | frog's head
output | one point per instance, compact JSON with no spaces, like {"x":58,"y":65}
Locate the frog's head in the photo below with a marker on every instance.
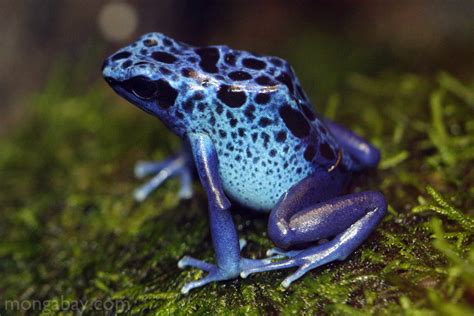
{"x":143,"y":73}
{"x":189,"y":87}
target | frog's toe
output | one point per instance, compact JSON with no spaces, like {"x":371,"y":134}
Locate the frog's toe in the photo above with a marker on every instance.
{"x":242,"y":243}
{"x":303,"y":267}
{"x":186,"y":182}
{"x":215,"y":273}
{"x":161,"y":171}
{"x":268,"y":266}
{"x":147,"y":168}
{"x":247,"y":264}
{"x":283,"y":264}
{"x":277,"y":252}
{"x":187,"y":261}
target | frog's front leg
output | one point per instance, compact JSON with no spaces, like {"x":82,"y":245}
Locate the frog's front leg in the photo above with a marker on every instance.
{"x":179,"y":165}
{"x":300,"y":218}
{"x":224,"y":235}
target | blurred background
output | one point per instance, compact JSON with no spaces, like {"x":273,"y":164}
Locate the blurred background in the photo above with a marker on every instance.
{"x":399,"y":73}
{"x":324,"y":41}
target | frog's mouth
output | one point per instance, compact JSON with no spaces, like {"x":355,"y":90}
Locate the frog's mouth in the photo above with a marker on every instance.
{"x":111,"y":81}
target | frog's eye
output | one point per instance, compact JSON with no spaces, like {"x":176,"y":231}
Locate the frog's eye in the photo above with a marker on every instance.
{"x":142,"y":87}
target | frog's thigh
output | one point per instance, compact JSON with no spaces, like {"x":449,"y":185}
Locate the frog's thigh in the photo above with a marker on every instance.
{"x":350,"y":219}
{"x":310,"y":211}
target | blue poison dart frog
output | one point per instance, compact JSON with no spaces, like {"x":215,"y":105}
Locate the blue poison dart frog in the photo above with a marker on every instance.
{"x":251,"y":134}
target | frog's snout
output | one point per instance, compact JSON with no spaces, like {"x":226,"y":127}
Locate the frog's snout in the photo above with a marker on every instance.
{"x":106,"y":73}
{"x":104,"y":65}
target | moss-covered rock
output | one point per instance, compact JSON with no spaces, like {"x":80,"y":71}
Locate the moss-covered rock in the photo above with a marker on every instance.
{"x":71,"y":231}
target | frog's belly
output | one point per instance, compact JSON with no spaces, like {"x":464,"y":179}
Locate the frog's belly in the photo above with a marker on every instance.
{"x":258,"y":188}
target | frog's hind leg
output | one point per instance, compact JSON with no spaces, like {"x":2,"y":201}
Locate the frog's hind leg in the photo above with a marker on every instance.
{"x":300,"y":218}
{"x":179,"y":165}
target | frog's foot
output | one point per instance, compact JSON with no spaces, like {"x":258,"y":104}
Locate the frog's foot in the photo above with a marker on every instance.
{"x":305,"y":260}
{"x":161,"y":171}
{"x":215,"y":273}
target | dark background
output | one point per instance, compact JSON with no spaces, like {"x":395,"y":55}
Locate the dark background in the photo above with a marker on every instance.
{"x":317,"y":37}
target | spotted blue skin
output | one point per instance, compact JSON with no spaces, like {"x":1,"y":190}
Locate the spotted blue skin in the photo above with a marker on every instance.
{"x":254,"y":138}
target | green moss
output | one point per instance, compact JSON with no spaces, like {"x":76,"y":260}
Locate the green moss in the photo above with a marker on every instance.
{"x":71,"y":231}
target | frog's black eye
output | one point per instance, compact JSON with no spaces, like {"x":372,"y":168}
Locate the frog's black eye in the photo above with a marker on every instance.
{"x":142,"y":87}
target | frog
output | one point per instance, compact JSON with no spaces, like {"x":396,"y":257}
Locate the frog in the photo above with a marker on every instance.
{"x":254,"y":139}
